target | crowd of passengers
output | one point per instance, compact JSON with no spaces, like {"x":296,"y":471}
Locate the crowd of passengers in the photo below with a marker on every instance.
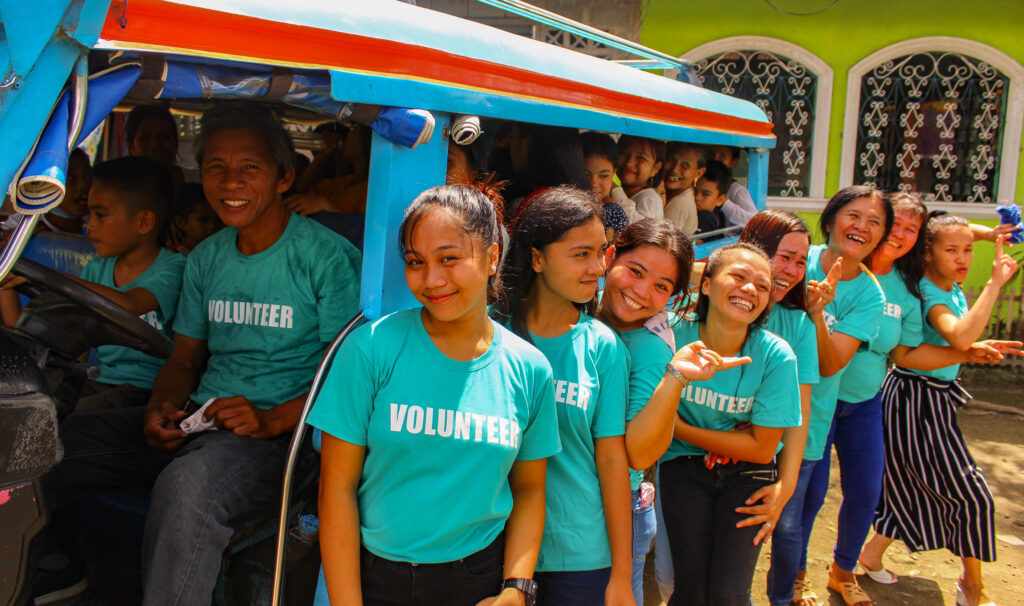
{"x":501,"y":444}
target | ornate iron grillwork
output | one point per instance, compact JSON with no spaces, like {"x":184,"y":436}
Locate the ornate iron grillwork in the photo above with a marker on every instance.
{"x":932,"y":123}
{"x":786,"y":91}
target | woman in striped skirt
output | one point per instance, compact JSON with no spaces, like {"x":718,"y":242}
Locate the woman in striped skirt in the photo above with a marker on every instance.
{"x":934,"y":495}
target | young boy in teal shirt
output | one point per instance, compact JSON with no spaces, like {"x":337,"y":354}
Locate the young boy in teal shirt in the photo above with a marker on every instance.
{"x":129,"y":204}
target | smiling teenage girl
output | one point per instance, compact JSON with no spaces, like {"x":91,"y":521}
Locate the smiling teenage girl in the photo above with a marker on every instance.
{"x":713,"y":560}
{"x":639,"y":170}
{"x":648,"y":265}
{"x":555,"y":259}
{"x":786,"y":239}
{"x":428,"y":404}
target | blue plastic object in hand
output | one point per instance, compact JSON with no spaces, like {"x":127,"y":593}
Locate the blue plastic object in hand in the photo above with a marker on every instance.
{"x":1010,"y":214}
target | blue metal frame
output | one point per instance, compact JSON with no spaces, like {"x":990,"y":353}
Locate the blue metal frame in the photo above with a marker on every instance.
{"x":44,"y":39}
{"x":757,"y":176}
{"x":397,"y":176}
{"x":381,"y":90}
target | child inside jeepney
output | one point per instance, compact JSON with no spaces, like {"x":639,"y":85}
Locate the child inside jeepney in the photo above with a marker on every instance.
{"x":151,"y":132}
{"x":709,"y":196}
{"x":640,"y":171}
{"x":739,"y":206}
{"x":128,"y":209}
{"x":599,"y":156}
{"x":684,"y":165}
{"x":192,"y":219}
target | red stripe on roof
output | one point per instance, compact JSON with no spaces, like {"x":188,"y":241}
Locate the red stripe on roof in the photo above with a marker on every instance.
{"x":160,"y":23}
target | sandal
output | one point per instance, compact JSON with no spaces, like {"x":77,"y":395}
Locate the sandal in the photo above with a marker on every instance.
{"x":961,"y":598}
{"x":803,"y":595}
{"x":881,"y":576}
{"x":850,"y":590}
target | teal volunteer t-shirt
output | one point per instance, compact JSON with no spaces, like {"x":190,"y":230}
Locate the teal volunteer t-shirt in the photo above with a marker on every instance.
{"x":955,"y":300}
{"x":440,"y":435}
{"x":900,"y":325}
{"x":591,"y":378}
{"x":267,"y":317}
{"x":764,"y":392}
{"x":648,"y":355}
{"x":119,"y":365}
{"x":796,"y":328}
{"x":856,"y":310}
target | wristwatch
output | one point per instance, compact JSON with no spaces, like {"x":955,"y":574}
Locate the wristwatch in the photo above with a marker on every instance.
{"x":527,"y":586}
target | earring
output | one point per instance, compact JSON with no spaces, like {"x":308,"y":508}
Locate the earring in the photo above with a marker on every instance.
{"x":494,"y":268}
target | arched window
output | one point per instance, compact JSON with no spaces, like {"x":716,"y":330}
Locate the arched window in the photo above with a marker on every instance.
{"x":933,"y":116}
{"x":793,"y":87}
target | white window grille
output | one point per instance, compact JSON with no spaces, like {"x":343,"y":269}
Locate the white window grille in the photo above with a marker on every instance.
{"x":932,"y":123}
{"x":934,"y":116}
{"x":794,"y":89}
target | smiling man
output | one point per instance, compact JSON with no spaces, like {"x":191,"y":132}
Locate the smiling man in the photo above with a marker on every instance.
{"x":260,"y":300}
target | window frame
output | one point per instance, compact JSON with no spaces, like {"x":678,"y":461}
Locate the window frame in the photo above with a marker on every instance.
{"x":1006,"y":185}
{"x":822,"y":101}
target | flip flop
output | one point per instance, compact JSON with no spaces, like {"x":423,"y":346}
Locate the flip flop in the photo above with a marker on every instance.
{"x":881,"y":576}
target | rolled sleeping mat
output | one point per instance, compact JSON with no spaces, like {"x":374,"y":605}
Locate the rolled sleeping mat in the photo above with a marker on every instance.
{"x":41,"y":185}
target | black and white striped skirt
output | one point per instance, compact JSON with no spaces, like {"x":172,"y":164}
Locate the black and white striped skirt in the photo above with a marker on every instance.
{"x":933,"y":493}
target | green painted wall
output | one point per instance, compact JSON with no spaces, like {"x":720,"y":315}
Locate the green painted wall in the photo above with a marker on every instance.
{"x":841,"y":36}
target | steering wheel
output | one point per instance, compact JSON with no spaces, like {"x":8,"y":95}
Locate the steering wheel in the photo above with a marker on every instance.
{"x":128,"y":329}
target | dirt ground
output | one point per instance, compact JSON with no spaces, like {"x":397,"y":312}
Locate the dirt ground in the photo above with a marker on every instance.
{"x":996,"y":440}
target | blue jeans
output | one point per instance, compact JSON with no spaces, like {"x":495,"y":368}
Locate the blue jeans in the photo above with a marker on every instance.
{"x":860,"y":446}
{"x":643,"y":532}
{"x":857,"y":434}
{"x":572,"y":588}
{"x":199,"y":493}
{"x":788,"y":542}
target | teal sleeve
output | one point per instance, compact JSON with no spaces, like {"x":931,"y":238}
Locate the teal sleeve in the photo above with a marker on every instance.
{"x":911,"y":324}
{"x":164,"y":283}
{"x":345,"y":403}
{"x":190,"y":320}
{"x":337,"y":289}
{"x":610,"y":417}
{"x":778,"y":398}
{"x":644,"y":376}
{"x":864,"y":317}
{"x":540,"y":436}
{"x":806,"y":350}
{"x":933,"y":295}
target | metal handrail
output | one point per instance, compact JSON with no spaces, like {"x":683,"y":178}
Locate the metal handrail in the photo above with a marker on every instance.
{"x":546,"y":17}
{"x":717,"y":232}
{"x":293,"y":452}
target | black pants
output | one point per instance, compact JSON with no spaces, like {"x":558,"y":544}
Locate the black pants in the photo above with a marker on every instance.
{"x":713,"y":560}
{"x":458,"y":583}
